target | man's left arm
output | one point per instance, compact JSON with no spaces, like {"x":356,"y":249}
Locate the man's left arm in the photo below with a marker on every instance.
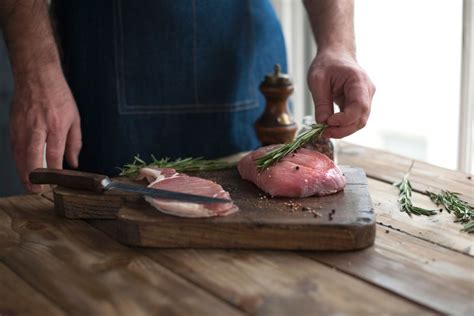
{"x":335,"y":75}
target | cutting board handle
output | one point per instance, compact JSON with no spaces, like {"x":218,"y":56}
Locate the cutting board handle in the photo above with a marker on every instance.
{"x":70,"y":179}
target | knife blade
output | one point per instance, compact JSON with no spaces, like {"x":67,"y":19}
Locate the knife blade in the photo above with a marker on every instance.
{"x":100,"y":183}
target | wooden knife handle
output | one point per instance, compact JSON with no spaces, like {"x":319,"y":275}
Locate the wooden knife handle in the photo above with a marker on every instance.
{"x":70,"y":179}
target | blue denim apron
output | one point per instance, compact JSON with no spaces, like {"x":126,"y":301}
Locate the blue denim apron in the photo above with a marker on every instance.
{"x":173,"y":78}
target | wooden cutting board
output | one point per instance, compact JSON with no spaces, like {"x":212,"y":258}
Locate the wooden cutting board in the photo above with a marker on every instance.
{"x":342,"y":221}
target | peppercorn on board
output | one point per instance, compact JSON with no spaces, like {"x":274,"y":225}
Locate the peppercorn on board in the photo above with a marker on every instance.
{"x":342,"y":221}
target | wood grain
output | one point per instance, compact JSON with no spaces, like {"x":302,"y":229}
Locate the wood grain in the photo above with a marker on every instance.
{"x":262,"y":223}
{"x":19,"y":298}
{"x":391,"y":168}
{"x":412,"y":268}
{"x":281,"y":283}
{"x":439,"y":229}
{"x":85,"y":272}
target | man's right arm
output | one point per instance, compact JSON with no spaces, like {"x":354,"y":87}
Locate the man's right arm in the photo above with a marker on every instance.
{"x":43,"y":109}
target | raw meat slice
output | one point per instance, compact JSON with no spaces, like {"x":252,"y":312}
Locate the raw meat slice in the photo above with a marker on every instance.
{"x":169,"y":179}
{"x":301,"y":174}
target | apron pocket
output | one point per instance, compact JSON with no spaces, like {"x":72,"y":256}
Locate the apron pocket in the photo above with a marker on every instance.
{"x":184,"y":56}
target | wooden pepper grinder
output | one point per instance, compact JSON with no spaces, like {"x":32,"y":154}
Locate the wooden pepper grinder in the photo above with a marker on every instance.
{"x":276,"y":126}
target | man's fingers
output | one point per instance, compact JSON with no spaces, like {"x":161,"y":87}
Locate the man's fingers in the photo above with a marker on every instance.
{"x":356,"y":104}
{"x":42,"y":113}
{"x":55,"y":145}
{"x":74,"y":144}
{"x":357,"y":95}
{"x":322,"y":97}
{"x":343,"y":131}
{"x":348,"y":116}
{"x":19,"y":147}
{"x":34,"y":158}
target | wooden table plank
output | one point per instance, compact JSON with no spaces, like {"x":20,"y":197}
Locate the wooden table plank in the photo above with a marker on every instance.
{"x":19,"y":298}
{"x":421,"y":271}
{"x":439,"y":229}
{"x":85,"y":272}
{"x":281,"y":283}
{"x":391,"y":168}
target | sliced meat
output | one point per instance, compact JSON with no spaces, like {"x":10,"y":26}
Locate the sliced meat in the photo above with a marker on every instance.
{"x":169,"y":179}
{"x":301,"y":174}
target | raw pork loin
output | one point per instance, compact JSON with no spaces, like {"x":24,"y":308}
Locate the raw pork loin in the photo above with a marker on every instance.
{"x":301,"y":174}
{"x":169,"y":179}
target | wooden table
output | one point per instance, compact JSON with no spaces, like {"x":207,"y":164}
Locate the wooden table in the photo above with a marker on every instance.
{"x":419,"y":265}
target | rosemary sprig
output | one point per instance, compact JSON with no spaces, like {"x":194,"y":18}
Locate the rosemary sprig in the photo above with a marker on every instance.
{"x":180,"y":165}
{"x":277,"y":154}
{"x":404,"y":199}
{"x":463,"y":212}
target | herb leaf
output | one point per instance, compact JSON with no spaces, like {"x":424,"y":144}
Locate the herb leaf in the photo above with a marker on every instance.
{"x":463,"y":212}
{"x":404,"y":198}
{"x":279,"y":153}
{"x":180,"y":165}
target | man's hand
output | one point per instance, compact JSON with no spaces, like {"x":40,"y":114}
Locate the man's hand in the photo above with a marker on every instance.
{"x":43,"y":111}
{"x":336,"y":77}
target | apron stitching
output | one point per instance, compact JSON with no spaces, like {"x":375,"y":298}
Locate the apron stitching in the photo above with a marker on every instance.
{"x":123,"y":100}
{"x":125,"y":108}
{"x":196,"y":96}
{"x":119,"y":57}
{"x":193,"y":108}
{"x":252,"y":43}
{"x":231,"y":104}
{"x":118,"y":77}
{"x":250,"y":106}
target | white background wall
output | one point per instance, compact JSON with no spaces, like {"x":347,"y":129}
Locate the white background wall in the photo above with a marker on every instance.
{"x":412,"y":51}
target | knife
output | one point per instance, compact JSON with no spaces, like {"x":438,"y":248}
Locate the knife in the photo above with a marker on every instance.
{"x":100,"y":183}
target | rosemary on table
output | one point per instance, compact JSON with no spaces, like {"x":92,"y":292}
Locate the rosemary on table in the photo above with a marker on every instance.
{"x":404,"y":199}
{"x":463,"y":212}
{"x":279,"y":153}
{"x":180,"y":165}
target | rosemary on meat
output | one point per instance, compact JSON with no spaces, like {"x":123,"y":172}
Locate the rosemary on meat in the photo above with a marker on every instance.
{"x":279,"y":153}
{"x":404,"y":198}
{"x":180,"y":165}
{"x":463,"y":212}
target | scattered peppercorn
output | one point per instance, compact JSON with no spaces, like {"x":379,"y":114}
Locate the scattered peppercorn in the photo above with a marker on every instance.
{"x":297,"y":167}
{"x":292,"y":205}
{"x":469,"y":177}
{"x":387,"y":231}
